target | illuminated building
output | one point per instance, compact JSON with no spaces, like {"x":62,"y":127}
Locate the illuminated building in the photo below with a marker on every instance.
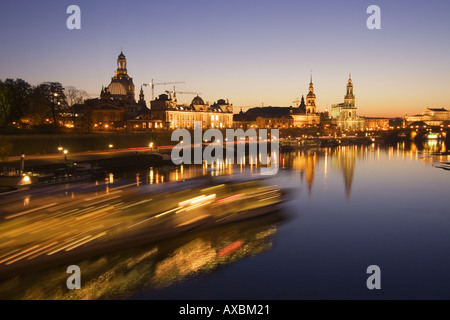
{"x":343,"y":115}
{"x":430,"y":116}
{"x":306,"y":114}
{"x":264,"y":117}
{"x":121,"y":86}
{"x":281,"y":121}
{"x":241,"y":121}
{"x":173,"y":116}
{"x":376,"y":123}
{"x":115,"y":105}
{"x":311,"y":99}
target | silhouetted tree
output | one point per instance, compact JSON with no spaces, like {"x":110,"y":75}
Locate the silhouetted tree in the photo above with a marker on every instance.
{"x":53,"y":93}
{"x":38,"y":109}
{"x":74,"y":97}
{"x":14,"y":100}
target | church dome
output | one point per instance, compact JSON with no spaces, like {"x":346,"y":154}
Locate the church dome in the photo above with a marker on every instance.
{"x":116,"y":88}
{"x":121,"y":55}
{"x":197,"y":101}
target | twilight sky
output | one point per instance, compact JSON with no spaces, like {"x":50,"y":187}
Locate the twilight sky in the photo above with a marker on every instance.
{"x":249,"y":51}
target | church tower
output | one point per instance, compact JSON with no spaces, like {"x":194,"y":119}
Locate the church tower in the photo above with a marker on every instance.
{"x":349,"y":99}
{"x":141,"y":97}
{"x":121,"y":64}
{"x":311,"y":99}
{"x":302,"y":106}
{"x":121,"y":86}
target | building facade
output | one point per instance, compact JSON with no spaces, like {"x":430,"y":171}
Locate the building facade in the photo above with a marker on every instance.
{"x":274,"y":122}
{"x":173,"y":116}
{"x":310,"y":99}
{"x":343,"y":115}
{"x":122,"y":86}
{"x":116,"y":104}
{"x":306,"y":114}
{"x":430,"y":116}
{"x":376,"y":123}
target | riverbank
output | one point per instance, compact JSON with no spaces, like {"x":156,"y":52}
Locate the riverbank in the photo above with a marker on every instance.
{"x":46,"y":143}
{"x":55,"y":168}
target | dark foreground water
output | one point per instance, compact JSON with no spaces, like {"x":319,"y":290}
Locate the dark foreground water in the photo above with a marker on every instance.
{"x":353,"y":207}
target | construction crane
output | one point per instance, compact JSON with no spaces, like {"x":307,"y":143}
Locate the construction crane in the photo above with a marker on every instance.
{"x":174,"y":92}
{"x":152,"y":84}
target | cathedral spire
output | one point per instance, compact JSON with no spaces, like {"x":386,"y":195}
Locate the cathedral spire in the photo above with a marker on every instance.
{"x":302,"y":106}
{"x":141,"y":97}
{"x":349,"y":99}
{"x":311,"y":86}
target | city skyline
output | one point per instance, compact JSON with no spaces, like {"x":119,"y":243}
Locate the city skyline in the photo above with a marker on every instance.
{"x":224,"y":151}
{"x":252,"y":53}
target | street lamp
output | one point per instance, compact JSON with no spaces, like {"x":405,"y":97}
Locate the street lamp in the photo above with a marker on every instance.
{"x":22,"y":162}
{"x":110,"y":146}
{"x":65,"y":154}
{"x":151,"y":145}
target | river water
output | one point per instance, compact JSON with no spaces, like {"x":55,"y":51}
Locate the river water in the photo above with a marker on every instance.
{"x":351,"y":207}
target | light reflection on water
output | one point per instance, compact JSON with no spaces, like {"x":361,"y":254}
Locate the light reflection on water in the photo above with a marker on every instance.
{"x":302,"y":162}
{"x":356,"y":206}
{"x":120,"y":275}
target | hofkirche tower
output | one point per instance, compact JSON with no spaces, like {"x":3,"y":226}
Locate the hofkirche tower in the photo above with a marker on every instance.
{"x":349,"y":99}
{"x":121,"y":86}
{"x":343,"y":115}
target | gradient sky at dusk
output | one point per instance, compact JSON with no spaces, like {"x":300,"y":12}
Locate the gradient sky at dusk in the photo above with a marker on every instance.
{"x":249,"y":51}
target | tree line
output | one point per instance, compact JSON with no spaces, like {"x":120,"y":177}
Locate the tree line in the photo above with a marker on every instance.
{"x":46,"y":104}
